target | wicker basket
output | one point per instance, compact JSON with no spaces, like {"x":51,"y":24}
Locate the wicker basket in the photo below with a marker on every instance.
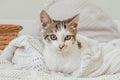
{"x":7,"y":33}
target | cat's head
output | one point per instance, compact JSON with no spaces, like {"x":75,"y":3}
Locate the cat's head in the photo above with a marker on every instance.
{"x":59,"y":35}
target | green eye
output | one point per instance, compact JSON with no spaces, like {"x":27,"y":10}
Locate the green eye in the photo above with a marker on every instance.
{"x":68,"y":37}
{"x":53,"y":37}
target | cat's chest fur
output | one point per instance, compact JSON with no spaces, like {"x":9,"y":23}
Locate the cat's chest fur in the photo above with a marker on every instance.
{"x":66,"y":63}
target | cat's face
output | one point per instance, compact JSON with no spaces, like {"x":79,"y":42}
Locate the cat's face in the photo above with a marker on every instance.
{"x":59,"y":35}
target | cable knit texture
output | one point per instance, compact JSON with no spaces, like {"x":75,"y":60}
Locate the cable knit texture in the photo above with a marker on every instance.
{"x":25,"y":53}
{"x":22,"y":59}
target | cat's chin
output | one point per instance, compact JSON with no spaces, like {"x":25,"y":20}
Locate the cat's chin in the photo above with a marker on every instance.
{"x":62,"y":50}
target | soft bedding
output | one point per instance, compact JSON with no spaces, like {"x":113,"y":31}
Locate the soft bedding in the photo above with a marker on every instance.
{"x":33,"y":75}
{"x":12,"y":69}
{"x":22,"y":59}
{"x":24,"y":55}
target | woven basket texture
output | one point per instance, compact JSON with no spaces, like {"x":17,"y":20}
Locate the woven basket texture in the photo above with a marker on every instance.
{"x":8,"y":32}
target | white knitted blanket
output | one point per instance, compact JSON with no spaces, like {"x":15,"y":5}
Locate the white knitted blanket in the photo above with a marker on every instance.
{"x":22,"y":60}
{"x":24,"y":52}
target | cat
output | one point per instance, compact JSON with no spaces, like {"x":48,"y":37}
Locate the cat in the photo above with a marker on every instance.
{"x":68,"y":52}
{"x":62,"y":49}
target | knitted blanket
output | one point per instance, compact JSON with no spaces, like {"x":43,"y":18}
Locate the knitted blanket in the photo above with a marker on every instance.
{"x":34,"y":75}
{"x":23,"y":60}
{"x":24,"y":53}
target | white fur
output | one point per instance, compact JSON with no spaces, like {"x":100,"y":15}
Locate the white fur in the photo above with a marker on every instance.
{"x":65,"y":60}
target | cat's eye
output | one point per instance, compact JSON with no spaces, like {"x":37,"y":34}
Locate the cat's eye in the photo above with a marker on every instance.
{"x":53,"y":37}
{"x":68,"y":37}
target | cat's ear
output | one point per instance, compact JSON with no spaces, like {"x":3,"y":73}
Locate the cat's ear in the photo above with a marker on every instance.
{"x":73,"y":22}
{"x":45,"y":19}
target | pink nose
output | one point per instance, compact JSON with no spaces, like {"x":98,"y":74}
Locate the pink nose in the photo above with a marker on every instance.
{"x":61,"y":46}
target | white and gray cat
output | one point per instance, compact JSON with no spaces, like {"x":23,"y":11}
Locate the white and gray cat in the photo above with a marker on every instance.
{"x":67,"y":52}
{"x":62,"y":49}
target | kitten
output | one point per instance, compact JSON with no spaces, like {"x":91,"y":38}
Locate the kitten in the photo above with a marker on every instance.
{"x":62,"y":50}
{"x":61,"y":47}
{"x":68,"y":52}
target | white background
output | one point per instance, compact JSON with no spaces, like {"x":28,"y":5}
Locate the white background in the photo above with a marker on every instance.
{"x":29,"y":9}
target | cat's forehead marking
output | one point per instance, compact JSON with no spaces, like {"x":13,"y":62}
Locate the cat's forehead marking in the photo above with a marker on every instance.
{"x":60,"y":29}
{"x":63,"y":25}
{"x":60,"y":24}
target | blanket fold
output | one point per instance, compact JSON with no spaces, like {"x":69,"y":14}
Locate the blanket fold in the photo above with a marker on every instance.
{"x":23,"y":56}
{"x":24,"y":53}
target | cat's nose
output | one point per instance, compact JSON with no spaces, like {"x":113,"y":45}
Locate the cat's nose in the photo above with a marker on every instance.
{"x":61,"y":46}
